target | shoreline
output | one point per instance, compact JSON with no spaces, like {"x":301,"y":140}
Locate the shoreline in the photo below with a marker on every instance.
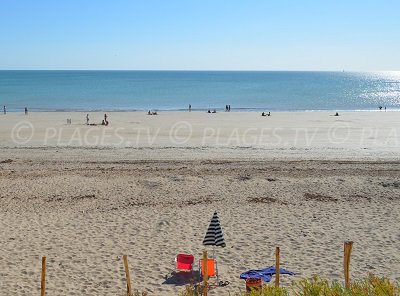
{"x":194,"y":110}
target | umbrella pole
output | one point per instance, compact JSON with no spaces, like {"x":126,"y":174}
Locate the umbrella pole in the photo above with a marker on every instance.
{"x":215,"y":264}
{"x":214,"y":252}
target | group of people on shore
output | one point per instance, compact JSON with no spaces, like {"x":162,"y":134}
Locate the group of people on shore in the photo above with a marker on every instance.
{"x":5,"y":110}
{"x":103,"y":122}
{"x":227,"y":109}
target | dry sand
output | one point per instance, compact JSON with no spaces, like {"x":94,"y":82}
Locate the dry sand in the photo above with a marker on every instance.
{"x":306,"y":182}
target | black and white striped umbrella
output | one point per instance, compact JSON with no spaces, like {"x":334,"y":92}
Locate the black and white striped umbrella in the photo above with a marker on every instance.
{"x":214,"y":236}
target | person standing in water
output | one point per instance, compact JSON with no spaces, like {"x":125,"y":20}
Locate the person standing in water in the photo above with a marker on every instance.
{"x":4,"y":110}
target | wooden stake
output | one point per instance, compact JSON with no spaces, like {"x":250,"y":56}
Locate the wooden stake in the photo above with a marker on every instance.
{"x":205,"y":277}
{"x":277,"y":266}
{"x":128,"y":277}
{"x":348,"y":246}
{"x":43,"y":281}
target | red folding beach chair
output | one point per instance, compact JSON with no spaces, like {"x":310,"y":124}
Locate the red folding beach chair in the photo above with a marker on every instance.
{"x":184,"y":262}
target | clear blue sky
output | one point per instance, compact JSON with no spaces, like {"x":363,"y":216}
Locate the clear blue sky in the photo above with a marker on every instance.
{"x":202,"y":34}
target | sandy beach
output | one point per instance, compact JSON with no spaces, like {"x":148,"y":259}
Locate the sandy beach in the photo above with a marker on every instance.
{"x":306,"y":135}
{"x":147,"y":186}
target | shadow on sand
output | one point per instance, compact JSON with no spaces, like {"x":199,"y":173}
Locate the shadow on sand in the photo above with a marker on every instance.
{"x":181,"y":278}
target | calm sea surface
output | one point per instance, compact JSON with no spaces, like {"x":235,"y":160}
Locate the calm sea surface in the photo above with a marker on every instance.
{"x":175,"y":90}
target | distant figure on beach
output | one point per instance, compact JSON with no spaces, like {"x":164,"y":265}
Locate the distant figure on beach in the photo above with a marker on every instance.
{"x":190,"y":108}
{"x":105,"y":120}
{"x":380,"y":107}
{"x":385,"y":108}
{"x":87,"y":119}
{"x":149,"y":113}
{"x":336,"y":114}
{"x":265,"y":114}
{"x":4,"y":109}
{"x":208,"y":111}
{"x":154,"y":113}
{"x":214,"y":111}
{"x":226,"y":108}
{"x":229,"y":108}
{"x":26,"y":111}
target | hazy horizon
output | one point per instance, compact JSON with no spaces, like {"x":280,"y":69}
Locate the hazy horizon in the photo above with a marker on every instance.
{"x":201,"y":70}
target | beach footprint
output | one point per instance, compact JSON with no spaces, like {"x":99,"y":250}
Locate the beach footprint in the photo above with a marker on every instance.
{"x":162,"y":225}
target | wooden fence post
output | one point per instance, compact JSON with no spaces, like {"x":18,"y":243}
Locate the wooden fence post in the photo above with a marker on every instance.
{"x":205,"y":277}
{"x":128,"y":277}
{"x":348,"y":246}
{"x":277,"y":266}
{"x":43,"y":280}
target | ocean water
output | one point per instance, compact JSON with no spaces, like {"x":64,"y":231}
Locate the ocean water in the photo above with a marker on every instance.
{"x":175,"y":90}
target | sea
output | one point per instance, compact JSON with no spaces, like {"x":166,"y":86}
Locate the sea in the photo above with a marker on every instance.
{"x":175,"y":90}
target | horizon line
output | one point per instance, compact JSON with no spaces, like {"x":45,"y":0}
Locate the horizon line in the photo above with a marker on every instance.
{"x":200,"y":70}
